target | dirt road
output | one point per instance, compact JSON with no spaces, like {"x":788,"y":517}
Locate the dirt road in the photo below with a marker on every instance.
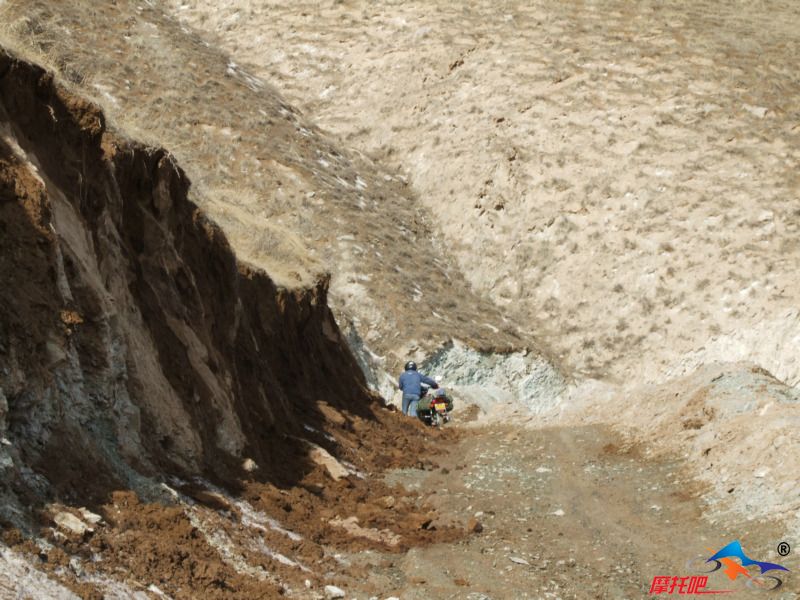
{"x":566,"y":513}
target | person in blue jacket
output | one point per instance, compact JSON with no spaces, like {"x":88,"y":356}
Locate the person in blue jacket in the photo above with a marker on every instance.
{"x":411,"y":385}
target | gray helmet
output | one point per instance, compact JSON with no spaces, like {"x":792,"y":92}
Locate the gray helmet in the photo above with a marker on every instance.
{"x":411,"y":366}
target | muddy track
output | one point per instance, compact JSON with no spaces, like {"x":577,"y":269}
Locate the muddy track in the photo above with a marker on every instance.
{"x":566,"y":513}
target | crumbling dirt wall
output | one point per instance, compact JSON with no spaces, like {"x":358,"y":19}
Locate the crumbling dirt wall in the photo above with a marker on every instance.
{"x":131,"y":339}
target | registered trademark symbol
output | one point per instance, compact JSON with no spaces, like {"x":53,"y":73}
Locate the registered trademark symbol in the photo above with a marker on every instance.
{"x":784,"y":548}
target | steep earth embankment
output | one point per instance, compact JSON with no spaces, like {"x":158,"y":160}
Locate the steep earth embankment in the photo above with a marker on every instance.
{"x":140,"y":361}
{"x":123,"y":299}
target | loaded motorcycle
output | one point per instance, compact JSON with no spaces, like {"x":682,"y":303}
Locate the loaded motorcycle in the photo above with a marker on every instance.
{"x":434,"y":408}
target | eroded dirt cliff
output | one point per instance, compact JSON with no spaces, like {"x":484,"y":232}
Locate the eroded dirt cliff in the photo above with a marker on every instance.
{"x":142,"y":362}
{"x":130,"y":300}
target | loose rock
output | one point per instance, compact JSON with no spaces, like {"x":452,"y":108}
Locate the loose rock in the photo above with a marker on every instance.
{"x":331,"y":591}
{"x":89,"y":516}
{"x":71,"y":524}
{"x":474,"y":526}
{"x":333,"y":467}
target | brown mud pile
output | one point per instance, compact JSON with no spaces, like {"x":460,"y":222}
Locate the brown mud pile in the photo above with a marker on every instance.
{"x":213,"y":545}
{"x":141,"y":362}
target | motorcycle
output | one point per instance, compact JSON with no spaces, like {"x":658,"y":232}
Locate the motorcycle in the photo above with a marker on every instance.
{"x":434,"y":409}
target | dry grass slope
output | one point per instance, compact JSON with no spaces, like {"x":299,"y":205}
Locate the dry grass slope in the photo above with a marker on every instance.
{"x":289,"y":198}
{"x":618,"y":176}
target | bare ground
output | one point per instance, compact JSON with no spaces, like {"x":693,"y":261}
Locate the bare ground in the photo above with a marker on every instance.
{"x":567,"y":513}
{"x":563,"y":512}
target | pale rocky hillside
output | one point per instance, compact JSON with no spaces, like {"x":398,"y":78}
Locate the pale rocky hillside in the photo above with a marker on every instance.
{"x":618,"y":177}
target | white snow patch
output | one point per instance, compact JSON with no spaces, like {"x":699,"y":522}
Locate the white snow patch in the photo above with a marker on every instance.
{"x":25,"y":581}
{"x":261,"y":546}
{"x":118,"y":590}
{"x":218,"y":539}
{"x":327,"y":91}
{"x":324,"y":434}
{"x":258,"y":520}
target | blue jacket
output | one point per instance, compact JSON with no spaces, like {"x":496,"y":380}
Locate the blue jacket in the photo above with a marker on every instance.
{"x":411,"y":383}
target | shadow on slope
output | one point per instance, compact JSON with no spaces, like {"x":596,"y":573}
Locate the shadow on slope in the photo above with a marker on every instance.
{"x":132,"y":340}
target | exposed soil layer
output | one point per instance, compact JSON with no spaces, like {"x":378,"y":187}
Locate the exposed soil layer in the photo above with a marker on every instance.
{"x":263,"y":541}
{"x":125,"y":298}
{"x":199,"y":410}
